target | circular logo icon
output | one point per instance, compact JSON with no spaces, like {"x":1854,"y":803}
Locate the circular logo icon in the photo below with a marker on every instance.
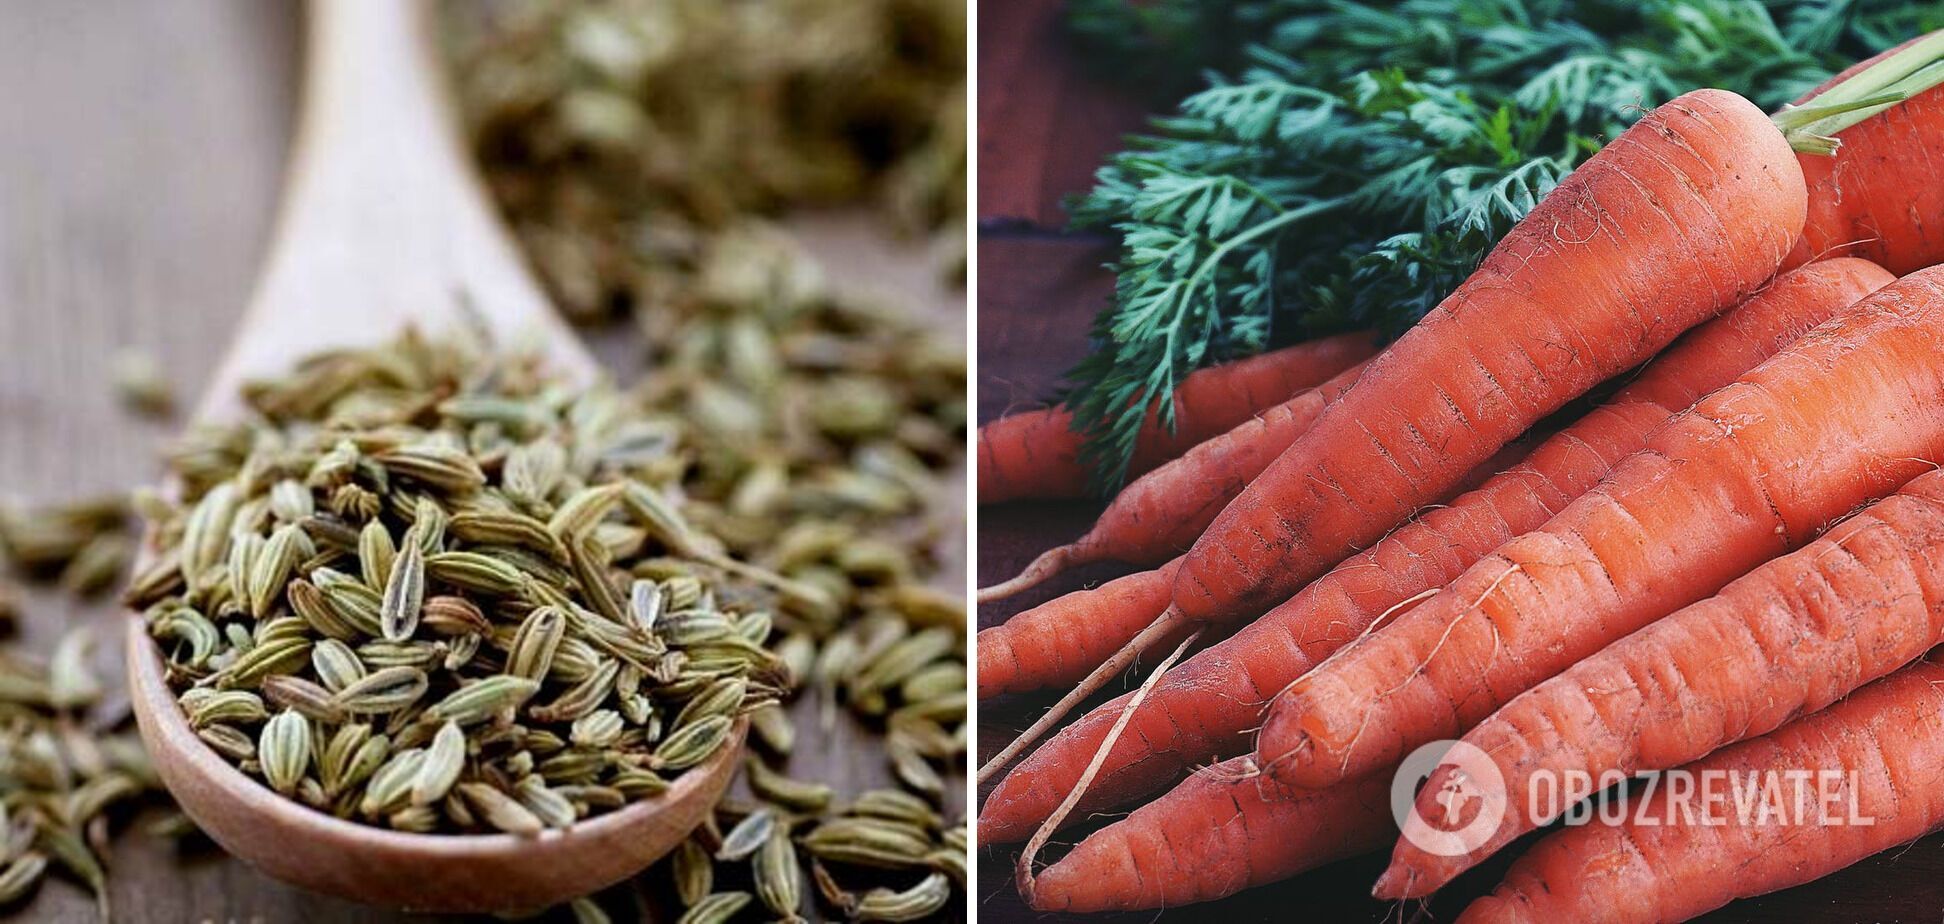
{"x":1448,"y":798}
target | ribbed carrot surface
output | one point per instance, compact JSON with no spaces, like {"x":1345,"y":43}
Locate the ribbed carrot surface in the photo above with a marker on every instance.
{"x":1887,"y":741}
{"x":1789,"y":638}
{"x":1203,"y":707}
{"x":1680,"y":217}
{"x":1212,"y":837}
{"x":1844,"y":416}
{"x":1036,"y":454}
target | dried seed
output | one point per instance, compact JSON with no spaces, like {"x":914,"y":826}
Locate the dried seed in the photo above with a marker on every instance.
{"x":692,"y":745}
{"x":895,"y":805}
{"x":715,"y":909}
{"x":482,"y":700}
{"x":72,"y":683}
{"x":440,"y":769}
{"x":391,"y":784}
{"x":552,"y":808}
{"x":644,"y":606}
{"x":921,"y":901}
{"x":383,"y":691}
{"x":398,"y":615}
{"x":284,"y":751}
{"x":778,"y":875}
{"x":536,"y":643}
{"x":376,"y":553}
{"x":694,"y":872}
{"x":435,"y":466}
{"x":868,"y":842}
{"x":20,"y":877}
{"x":799,"y":795}
{"x":449,"y":615}
{"x":336,"y":665}
{"x":774,"y":729}
{"x":280,"y":656}
{"x":747,"y":836}
{"x":308,"y":699}
{"x":474,"y":572}
{"x":500,"y":810}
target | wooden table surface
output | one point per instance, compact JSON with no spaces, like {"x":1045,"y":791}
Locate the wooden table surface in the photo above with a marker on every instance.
{"x":1037,"y":292}
{"x":141,"y":151}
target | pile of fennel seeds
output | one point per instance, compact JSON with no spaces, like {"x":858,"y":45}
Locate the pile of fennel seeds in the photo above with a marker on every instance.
{"x":581,"y":634}
{"x":623,"y":138}
{"x":71,"y":764}
{"x":426,"y":588}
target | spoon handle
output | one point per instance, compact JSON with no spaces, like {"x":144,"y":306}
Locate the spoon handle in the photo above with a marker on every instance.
{"x":384,"y":220}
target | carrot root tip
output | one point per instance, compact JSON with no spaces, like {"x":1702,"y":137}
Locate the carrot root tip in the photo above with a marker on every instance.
{"x":1051,"y":562}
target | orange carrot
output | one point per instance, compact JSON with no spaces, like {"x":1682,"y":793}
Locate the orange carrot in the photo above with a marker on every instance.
{"x":1881,"y":195}
{"x":1203,"y":707}
{"x":1061,"y":640}
{"x":1787,"y":639}
{"x":1845,"y":415}
{"x":1162,"y":513}
{"x":1681,"y":216}
{"x":1221,"y":831}
{"x":1886,"y":744}
{"x":1036,"y":454}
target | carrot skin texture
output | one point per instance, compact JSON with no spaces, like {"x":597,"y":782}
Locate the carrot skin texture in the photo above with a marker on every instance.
{"x":1683,"y":215}
{"x":1036,"y":454}
{"x":1890,"y":736}
{"x":1844,"y":416}
{"x":1160,"y":515}
{"x":1787,"y":639}
{"x":1061,"y":640}
{"x":1212,"y":837}
{"x":1204,"y":706}
{"x":1881,"y":195}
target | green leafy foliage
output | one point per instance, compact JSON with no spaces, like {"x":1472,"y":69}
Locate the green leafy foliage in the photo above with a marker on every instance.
{"x":1357,"y":160}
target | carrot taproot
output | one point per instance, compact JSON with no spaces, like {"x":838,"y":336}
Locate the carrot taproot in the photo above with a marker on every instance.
{"x":1885,"y":747}
{"x":1787,"y":639}
{"x":1036,"y":455}
{"x":1881,"y":194}
{"x":1843,"y":416}
{"x":1063,"y":639}
{"x":1204,"y":706}
{"x":1122,"y":627}
{"x":1160,"y":514}
{"x":1221,"y":831}
{"x":1681,"y":216}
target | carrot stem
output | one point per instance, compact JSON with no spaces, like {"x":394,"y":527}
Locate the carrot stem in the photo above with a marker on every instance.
{"x":1899,"y":76}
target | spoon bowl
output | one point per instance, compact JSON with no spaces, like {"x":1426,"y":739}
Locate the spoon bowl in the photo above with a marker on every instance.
{"x":474,"y":873}
{"x":386,"y":224}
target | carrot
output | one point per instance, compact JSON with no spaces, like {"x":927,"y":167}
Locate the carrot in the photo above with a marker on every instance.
{"x":1221,"y":831}
{"x":1161,"y":513}
{"x":1845,"y":415}
{"x":1061,"y":640}
{"x":1204,"y":706}
{"x":1881,"y":195}
{"x":1787,"y":639}
{"x":1681,"y":216}
{"x":1036,"y":454}
{"x":1887,"y":742}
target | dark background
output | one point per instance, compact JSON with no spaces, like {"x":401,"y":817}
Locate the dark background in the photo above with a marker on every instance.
{"x":1044,"y":125}
{"x":141,"y":154}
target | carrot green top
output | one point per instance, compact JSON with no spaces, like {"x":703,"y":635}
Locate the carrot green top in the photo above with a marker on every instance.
{"x":1904,"y":73}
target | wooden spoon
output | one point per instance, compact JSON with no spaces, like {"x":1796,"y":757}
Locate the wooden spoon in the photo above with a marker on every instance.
{"x":385,"y":224}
